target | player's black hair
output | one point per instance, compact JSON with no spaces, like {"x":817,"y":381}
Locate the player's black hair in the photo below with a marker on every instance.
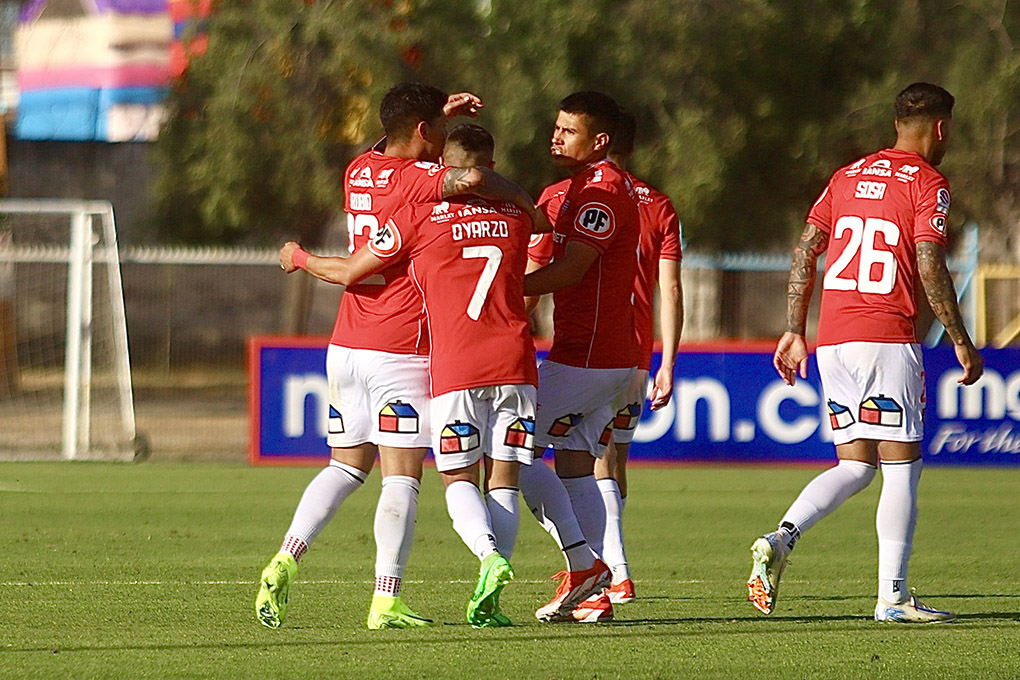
{"x":408,"y":104}
{"x":601,"y":109}
{"x":622,"y":143}
{"x":474,"y":139}
{"x":924,"y":100}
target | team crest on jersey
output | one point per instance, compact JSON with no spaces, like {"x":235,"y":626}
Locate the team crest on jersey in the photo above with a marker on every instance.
{"x":881,"y":410}
{"x":563,"y":425}
{"x":459,"y":437}
{"x":839,"y":416}
{"x":398,"y":417}
{"x":520,"y":434}
{"x":336,"y":422}
{"x":385,"y":242}
{"x":596,"y":220}
{"x":627,"y":417}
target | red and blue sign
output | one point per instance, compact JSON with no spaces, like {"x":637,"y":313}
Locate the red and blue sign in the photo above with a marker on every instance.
{"x":728,"y":406}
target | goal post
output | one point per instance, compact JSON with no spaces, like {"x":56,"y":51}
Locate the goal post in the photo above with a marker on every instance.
{"x":69,"y":393}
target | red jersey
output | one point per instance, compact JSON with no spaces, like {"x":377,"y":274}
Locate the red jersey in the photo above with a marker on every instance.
{"x":874,"y":212}
{"x":550,"y":201}
{"x":660,"y":240}
{"x":383,"y":312}
{"x":593,"y":320}
{"x":468,"y":257}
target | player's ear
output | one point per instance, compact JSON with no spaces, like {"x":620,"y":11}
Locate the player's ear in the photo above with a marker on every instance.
{"x":422,"y":128}
{"x":601,"y":141}
{"x":939,"y":134}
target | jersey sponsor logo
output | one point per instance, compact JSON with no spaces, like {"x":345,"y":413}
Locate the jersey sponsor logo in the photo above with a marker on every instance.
{"x":839,"y":416}
{"x":870,"y":190}
{"x":596,"y":220}
{"x":362,"y":178}
{"x":563,"y":425}
{"x":880,"y":168}
{"x":520,"y":434}
{"x":398,"y":417}
{"x":385,"y":242}
{"x":336,"y":422}
{"x":938,"y":223}
{"x":627,"y":417}
{"x":942,"y":201}
{"x":361,"y":202}
{"x":881,"y":410}
{"x":383,"y":180}
{"x":459,"y":437}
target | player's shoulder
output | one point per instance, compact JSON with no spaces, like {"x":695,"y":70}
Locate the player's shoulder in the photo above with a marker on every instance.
{"x":609,"y":179}
{"x":904,"y":167}
{"x":555,"y":189}
{"x":375,"y":170}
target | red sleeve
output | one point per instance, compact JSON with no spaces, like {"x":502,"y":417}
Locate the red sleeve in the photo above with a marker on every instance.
{"x":422,"y":182}
{"x":540,"y":248}
{"x":670,"y":224}
{"x":394,"y":240}
{"x":596,"y":220}
{"x":821,"y":212}
{"x":932,"y":210}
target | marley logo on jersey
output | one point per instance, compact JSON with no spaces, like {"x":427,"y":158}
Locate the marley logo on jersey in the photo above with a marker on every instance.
{"x":398,"y":417}
{"x":336,"y":422}
{"x":839,"y":416}
{"x":627,"y":417}
{"x":881,"y":410}
{"x":520,"y":434}
{"x":459,"y":437}
{"x":385,"y":240}
{"x":596,"y":220}
{"x":562,"y":426}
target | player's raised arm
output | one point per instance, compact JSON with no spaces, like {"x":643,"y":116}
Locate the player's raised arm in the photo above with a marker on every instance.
{"x":790,"y":357}
{"x":938,"y":286}
{"x":462,"y":104}
{"x":344,"y":271}
{"x":490,"y":184}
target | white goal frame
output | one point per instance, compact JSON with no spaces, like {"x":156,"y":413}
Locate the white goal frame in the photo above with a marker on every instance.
{"x":81,"y":255}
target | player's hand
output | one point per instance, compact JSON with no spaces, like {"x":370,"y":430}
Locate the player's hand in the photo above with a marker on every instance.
{"x":662,"y":388}
{"x":791,"y":357}
{"x":971,"y":361}
{"x":462,"y":104}
{"x":540,"y":223}
{"x":287,"y":256}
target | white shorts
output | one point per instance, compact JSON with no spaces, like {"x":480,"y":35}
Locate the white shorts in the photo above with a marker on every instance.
{"x":576,"y":406}
{"x":497,"y":421}
{"x":874,"y":390}
{"x":377,"y":397}
{"x":628,"y":408}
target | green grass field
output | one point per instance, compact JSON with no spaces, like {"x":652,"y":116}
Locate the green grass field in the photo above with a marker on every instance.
{"x":149,"y":571}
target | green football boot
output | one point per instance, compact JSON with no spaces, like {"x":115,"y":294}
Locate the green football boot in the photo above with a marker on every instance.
{"x":483,"y":608}
{"x":391,"y":612}
{"x":274,"y":590}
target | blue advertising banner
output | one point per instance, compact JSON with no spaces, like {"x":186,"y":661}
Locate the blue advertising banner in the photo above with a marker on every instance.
{"x":728,"y":406}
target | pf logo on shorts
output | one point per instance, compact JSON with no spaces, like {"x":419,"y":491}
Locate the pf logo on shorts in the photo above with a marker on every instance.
{"x":596,"y":220}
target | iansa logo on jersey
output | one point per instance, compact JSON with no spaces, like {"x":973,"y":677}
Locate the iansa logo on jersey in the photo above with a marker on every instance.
{"x":362,"y":178}
{"x":595,"y":220}
{"x":520,"y":434}
{"x":398,"y":417}
{"x":881,"y":410}
{"x":459,"y":437}
{"x":385,"y":242}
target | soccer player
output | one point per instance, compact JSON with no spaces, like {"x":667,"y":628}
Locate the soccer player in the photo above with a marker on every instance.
{"x":883,"y":221}
{"x":467,"y":259}
{"x":377,"y":360}
{"x":659,"y":255}
{"x":594,"y":354}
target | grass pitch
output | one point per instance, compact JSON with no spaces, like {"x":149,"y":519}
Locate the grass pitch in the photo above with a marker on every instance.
{"x":149,"y":571}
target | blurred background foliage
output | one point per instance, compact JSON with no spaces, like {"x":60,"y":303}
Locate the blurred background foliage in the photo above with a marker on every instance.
{"x":745,"y":107}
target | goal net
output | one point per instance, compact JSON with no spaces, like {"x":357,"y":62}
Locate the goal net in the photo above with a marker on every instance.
{"x":65,"y":376}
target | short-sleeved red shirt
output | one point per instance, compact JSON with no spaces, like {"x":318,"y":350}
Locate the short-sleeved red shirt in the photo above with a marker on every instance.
{"x":550,"y":201}
{"x":468,"y":257}
{"x":384,"y":312}
{"x":593,"y":320}
{"x":660,"y":240}
{"x":875,"y":212}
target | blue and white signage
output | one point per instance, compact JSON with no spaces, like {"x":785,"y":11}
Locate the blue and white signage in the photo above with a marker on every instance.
{"x":728,"y":406}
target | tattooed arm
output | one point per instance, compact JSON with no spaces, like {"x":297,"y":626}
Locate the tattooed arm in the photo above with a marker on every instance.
{"x":791,"y":353}
{"x":938,"y":286}
{"x":489,"y":184}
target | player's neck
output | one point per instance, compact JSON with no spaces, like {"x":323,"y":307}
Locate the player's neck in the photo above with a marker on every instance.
{"x":919,"y":145}
{"x":577,"y":169}
{"x":408,"y":150}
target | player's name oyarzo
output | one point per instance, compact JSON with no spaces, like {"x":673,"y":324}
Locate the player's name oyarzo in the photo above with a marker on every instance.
{"x":480,"y":229}
{"x":957,"y":438}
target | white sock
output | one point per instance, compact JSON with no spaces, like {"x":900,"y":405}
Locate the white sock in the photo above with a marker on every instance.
{"x":895,"y":521}
{"x":612,"y":549}
{"x":588,"y":508}
{"x":823,"y":494}
{"x":470,"y":518}
{"x":549,"y":503}
{"x":505,"y":518}
{"x":320,"y":501}
{"x":395,"y":515}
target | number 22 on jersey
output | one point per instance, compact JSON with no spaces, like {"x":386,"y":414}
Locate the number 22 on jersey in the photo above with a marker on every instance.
{"x":862,"y":241}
